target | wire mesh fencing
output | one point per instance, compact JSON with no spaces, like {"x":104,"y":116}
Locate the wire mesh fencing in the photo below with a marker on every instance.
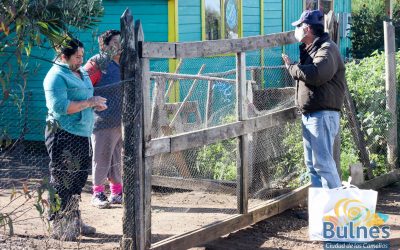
{"x":198,"y":186}
{"x":191,"y":188}
{"x":46,"y":187}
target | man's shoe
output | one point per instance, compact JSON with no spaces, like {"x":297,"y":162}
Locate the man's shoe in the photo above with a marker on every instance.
{"x":100,"y":200}
{"x":115,"y":198}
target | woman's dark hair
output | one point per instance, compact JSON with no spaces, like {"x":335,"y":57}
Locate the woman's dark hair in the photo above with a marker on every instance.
{"x":71,"y":47}
{"x":317,"y":29}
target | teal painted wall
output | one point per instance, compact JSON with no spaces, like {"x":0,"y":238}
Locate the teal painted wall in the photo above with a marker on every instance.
{"x":251,"y":18}
{"x":154,"y":16}
{"x":273,"y":15}
{"x":343,"y":6}
{"x":251,"y":27}
{"x":189,"y":16}
{"x":293,"y":10}
{"x":278,"y":14}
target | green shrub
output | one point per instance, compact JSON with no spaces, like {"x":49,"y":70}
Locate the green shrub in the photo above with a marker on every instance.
{"x":218,"y":161}
{"x":367,"y":26}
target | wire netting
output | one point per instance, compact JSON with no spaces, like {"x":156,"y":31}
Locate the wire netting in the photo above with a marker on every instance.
{"x":46,"y":171}
{"x":191,"y":188}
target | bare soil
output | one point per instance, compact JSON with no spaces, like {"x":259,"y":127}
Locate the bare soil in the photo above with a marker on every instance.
{"x":179,"y":212}
{"x":287,"y":231}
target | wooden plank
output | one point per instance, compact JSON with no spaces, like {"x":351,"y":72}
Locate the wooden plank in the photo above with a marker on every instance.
{"x":215,"y":47}
{"x":146,"y":99}
{"x":236,"y":222}
{"x":214,"y":186}
{"x":158,"y":146}
{"x":158,"y":50}
{"x":391,"y":92}
{"x":382,"y":181}
{"x":158,"y":114}
{"x":147,"y":200}
{"x":210,"y":85}
{"x":211,"y":135}
{"x":189,"y":94}
{"x":172,"y":82}
{"x":191,"y":77}
{"x":138,"y":119}
{"x":243,"y":145}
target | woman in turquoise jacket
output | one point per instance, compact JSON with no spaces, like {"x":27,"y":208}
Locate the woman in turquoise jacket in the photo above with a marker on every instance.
{"x":70,"y":103}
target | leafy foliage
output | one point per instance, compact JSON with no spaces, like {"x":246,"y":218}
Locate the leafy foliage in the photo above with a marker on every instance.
{"x":24,"y":21}
{"x":218,"y":161}
{"x":366,"y":81}
{"x":367,"y":26}
{"x":11,"y":214}
{"x":25,"y":24}
{"x":293,"y":160}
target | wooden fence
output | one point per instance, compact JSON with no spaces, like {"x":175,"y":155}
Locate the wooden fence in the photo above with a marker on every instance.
{"x":140,"y":148}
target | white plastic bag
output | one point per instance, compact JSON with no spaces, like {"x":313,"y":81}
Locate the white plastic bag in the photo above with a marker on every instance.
{"x":344,"y":214}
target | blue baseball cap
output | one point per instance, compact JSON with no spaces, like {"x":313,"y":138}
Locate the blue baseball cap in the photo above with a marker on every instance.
{"x":310,"y":17}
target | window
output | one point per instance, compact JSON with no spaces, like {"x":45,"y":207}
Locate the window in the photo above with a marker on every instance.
{"x":213,"y":19}
{"x":231,"y":17}
{"x":324,"y":5}
{"x":222,"y":19}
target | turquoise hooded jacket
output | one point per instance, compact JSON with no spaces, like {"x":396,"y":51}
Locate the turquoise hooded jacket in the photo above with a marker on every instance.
{"x":61,"y":87}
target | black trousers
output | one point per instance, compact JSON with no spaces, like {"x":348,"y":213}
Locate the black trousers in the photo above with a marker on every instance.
{"x":70,"y":161}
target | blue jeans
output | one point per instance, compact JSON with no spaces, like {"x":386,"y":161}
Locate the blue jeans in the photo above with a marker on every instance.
{"x":319,"y":131}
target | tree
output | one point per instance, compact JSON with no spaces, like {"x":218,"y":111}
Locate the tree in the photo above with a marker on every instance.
{"x":25,"y":24}
{"x":367,"y":26}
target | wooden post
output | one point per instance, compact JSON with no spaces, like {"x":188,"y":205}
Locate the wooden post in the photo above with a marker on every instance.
{"x":391,"y":91}
{"x":389,"y":9}
{"x":132,"y":118}
{"x":358,"y":135}
{"x":243,"y":166}
{"x":210,"y":85}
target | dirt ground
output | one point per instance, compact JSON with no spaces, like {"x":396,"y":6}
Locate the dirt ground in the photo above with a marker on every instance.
{"x":287,"y":231}
{"x":284,"y":231}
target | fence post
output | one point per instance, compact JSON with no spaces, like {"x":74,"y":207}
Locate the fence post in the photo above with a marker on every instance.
{"x":148,"y":162}
{"x":391,"y":91}
{"x":358,"y":135}
{"x":132,"y":134}
{"x":243,"y":166}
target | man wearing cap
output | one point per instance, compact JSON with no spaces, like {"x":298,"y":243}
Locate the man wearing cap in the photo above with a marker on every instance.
{"x":320,"y":86}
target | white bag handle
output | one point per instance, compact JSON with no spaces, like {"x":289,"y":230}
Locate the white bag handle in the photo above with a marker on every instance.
{"x":347,"y":184}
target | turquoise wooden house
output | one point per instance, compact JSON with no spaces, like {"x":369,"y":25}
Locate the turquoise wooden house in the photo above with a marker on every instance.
{"x":178,"y":21}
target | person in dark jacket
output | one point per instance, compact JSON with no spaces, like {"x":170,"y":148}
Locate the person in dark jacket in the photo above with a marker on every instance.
{"x":104,"y":72}
{"x":320,"y":78}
